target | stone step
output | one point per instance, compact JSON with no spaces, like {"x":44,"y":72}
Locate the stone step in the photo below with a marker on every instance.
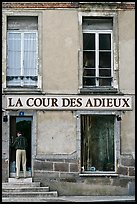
{"x":20,"y":184}
{"x":12,"y":182}
{"x":25,"y":189}
{"x":13,"y":175}
{"x":20,"y":180}
{"x":30,"y":194}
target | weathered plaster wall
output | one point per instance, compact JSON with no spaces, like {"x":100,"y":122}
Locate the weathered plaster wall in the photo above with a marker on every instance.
{"x":60,"y":51}
{"x":128,"y":132}
{"x":56,"y":133}
{"x":126,"y":22}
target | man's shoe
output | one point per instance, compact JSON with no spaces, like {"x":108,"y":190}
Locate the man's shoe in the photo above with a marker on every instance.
{"x":17,"y":177}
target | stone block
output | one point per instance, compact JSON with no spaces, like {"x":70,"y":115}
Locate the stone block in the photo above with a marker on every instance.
{"x":74,"y":168}
{"x":122,"y":170}
{"x":61,"y":167}
{"x":131,"y":171}
{"x":42,"y":165}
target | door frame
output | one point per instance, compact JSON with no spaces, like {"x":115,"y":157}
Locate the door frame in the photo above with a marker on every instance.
{"x":31,"y":114}
{"x":116,"y":137}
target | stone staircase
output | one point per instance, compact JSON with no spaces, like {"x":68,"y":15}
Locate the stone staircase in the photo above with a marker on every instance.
{"x":24,"y":189}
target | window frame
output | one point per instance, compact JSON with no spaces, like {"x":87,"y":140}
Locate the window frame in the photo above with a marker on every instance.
{"x":22,"y":33}
{"x":97,"y":32}
{"x":116,"y":141}
{"x":5,"y":88}
{"x":114,"y":88}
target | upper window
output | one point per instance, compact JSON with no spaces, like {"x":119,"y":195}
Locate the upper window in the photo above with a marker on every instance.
{"x":97,"y":52}
{"x":22,"y":51}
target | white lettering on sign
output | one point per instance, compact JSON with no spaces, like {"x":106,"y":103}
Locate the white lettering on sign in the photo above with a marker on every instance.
{"x":70,"y":102}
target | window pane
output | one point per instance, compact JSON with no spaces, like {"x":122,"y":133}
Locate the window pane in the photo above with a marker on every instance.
{"x":97,"y":143}
{"x":105,"y":81}
{"x":94,"y":23}
{"x":88,"y":81}
{"x":29,"y":81}
{"x":105,"y":59}
{"x":30,"y":63}
{"x":89,"y":59}
{"x":105,"y":72}
{"x":22,"y":23}
{"x":88,"y":41}
{"x":89,"y":72}
{"x":14,"y":54}
{"x":104,"y":42}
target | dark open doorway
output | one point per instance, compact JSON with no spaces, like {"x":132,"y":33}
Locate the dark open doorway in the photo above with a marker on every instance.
{"x":23,"y":124}
{"x":97,"y":143}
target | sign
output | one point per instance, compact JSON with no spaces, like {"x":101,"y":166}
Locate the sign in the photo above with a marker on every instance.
{"x":21,"y":113}
{"x":67,"y":102}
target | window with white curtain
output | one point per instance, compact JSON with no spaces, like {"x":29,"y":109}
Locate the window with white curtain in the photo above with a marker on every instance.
{"x":22,"y":52}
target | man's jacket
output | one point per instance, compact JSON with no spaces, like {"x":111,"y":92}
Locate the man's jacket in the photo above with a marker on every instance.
{"x":20,"y":143}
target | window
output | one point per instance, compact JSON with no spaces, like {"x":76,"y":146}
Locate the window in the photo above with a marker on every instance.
{"x":22,"y":51}
{"x":97,"y":143}
{"x":97,"y":52}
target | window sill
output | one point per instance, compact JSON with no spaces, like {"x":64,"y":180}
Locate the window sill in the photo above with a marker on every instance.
{"x":98,"y":174}
{"x":100,"y":90}
{"x":33,"y":90}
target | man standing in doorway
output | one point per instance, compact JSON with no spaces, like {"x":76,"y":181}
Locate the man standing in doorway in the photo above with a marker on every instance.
{"x":20,"y":144}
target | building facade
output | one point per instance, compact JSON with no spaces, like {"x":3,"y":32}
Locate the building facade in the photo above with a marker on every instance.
{"x":65,"y":67}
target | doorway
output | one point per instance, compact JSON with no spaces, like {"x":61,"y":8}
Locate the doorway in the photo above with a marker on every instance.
{"x":97,"y":143}
{"x":23,"y":124}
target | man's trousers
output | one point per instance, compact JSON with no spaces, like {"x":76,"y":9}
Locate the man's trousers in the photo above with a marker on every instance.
{"x":20,"y":155}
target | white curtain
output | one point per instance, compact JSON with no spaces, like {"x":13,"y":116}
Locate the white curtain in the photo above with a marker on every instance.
{"x":22,"y":58}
